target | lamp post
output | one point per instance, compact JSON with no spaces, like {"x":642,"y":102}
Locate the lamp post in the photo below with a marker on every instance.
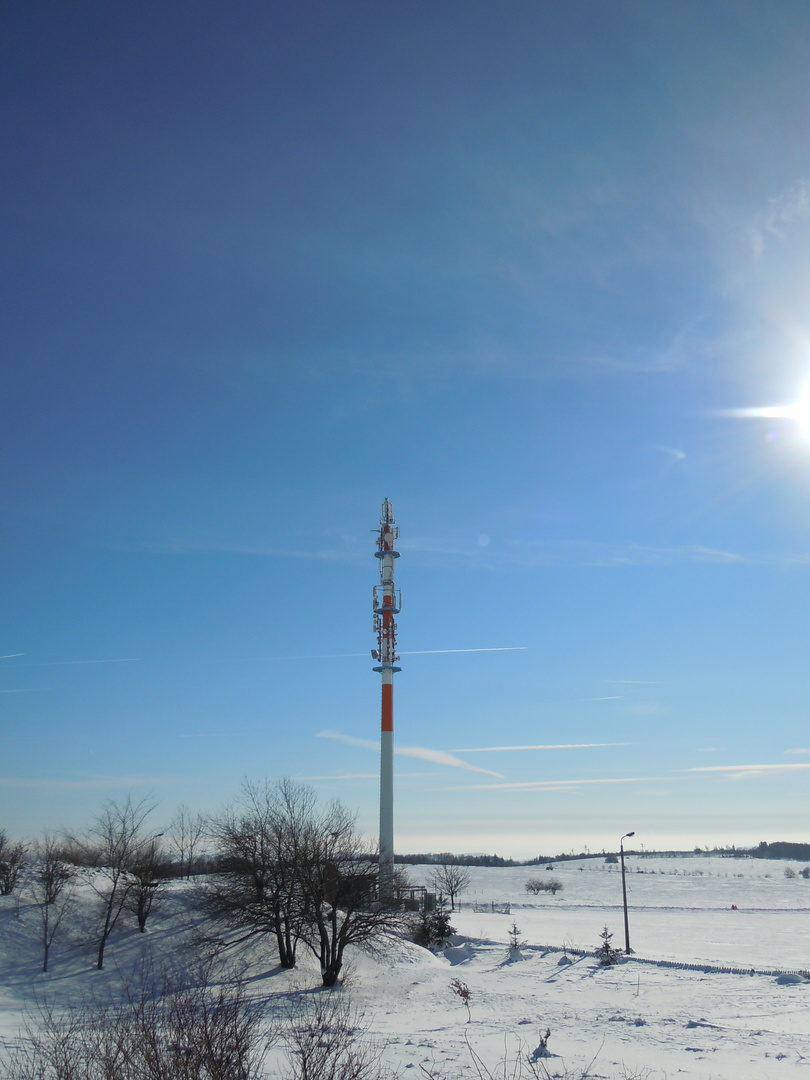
{"x":627,"y":948}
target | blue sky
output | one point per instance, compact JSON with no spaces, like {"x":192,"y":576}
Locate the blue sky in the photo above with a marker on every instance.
{"x":513,"y":266}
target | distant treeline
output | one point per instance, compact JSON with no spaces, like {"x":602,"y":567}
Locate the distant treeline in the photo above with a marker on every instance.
{"x":781,"y":849}
{"x":446,"y":859}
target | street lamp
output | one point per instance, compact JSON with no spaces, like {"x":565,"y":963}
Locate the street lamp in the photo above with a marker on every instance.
{"x":627,"y":948}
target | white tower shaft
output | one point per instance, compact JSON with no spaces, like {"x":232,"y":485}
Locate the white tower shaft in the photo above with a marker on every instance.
{"x":387,"y":603}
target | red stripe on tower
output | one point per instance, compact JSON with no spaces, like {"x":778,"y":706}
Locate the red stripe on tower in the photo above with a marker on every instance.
{"x":387,"y":603}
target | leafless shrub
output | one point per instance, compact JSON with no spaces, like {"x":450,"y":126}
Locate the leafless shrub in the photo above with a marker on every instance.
{"x":160,"y":1032}
{"x":13,"y":861}
{"x":462,"y":991}
{"x":327,"y":1039}
{"x":186,"y":833}
{"x":518,"y":1064}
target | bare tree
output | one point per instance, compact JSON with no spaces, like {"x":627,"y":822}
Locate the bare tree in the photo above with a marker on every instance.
{"x":337,"y":874}
{"x":115,"y":837}
{"x":297,"y":873}
{"x":185,"y":834}
{"x":13,"y":861}
{"x":258,"y":891}
{"x":148,"y":870}
{"x":50,"y":885}
{"x":449,"y":879}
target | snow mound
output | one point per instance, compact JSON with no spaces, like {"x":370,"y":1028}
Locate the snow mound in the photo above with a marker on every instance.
{"x":460,"y":955}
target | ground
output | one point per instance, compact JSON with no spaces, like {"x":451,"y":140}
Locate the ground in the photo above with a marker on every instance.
{"x":641,"y":1017}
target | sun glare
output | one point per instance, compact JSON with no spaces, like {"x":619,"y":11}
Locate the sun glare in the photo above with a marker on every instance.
{"x":798,"y":412}
{"x":802,"y":414}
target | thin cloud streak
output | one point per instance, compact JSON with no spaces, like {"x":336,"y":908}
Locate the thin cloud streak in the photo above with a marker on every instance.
{"x":340,"y":776}
{"x":746,"y":772}
{"x":423,"y":753}
{"x":497,"y":648}
{"x":440,"y":757}
{"x":214,"y":735}
{"x":66,"y":663}
{"x":361,"y":655}
{"x":85,"y":783}
{"x":553,"y":746}
{"x":633,"y":682}
{"x":558,"y":785}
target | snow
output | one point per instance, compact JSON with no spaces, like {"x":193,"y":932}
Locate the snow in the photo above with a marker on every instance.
{"x":644,"y":1015}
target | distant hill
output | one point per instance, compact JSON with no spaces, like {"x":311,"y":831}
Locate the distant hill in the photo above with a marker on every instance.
{"x":780,"y":849}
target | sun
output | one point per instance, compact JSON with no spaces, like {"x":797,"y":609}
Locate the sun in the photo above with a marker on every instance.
{"x":799,"y":412}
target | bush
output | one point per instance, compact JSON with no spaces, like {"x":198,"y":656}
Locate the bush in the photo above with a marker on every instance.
{"x":163,"y":1032}
{"x":432,"y":929}
{"x":538,"y":885}
{"x":606,"y":953}
{"x":13,"y":861}
{"x":327,"y":1040}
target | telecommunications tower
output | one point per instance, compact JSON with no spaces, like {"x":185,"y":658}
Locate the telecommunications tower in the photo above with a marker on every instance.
{"x":387,"y":603}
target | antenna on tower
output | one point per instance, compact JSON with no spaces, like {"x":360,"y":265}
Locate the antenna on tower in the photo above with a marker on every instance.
{"x":387,"y":603}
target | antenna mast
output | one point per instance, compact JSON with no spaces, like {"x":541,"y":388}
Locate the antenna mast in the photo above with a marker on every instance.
{"x":387,"y":604}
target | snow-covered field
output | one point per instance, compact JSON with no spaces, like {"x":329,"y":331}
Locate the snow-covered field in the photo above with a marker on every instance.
{"x":642,"y":1017}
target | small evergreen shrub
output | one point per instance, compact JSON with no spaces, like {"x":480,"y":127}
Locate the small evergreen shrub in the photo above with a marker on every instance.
{"x":606,"y":953}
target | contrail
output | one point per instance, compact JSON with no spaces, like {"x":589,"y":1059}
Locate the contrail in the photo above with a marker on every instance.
{"x":64,"y":663}
{"x":423,"y":753}
{"x":556,"y":746}
{"x":9,"y":655}
{"x":356,"y":655}
{"x":497,"y":648}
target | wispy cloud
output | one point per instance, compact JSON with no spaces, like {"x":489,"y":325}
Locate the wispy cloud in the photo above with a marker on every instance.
{"x":67,"y":663}
{"x":237,"y":547}
{"x":213,"y":735}
{"x":423,"y":753}
{"x":780,"y":216}
{"x":496,"y":648}
{"x":803,"y":750}
{"x":440,"y":757}
{"x":340,"y":776}
{"x":357,"y":655}
{"x":550,"y":746}
{"x":89,"y":783}
{"x":632,"y":682}
{"x":747,"y":772}
{"x":581,"y":553}
{"x":559,"y":785}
